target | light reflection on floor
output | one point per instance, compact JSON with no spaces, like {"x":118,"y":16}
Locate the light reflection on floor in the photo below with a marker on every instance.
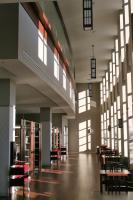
{"x":54,"y":171}
{"x":45,"y":181}
{"x":32,"y":194}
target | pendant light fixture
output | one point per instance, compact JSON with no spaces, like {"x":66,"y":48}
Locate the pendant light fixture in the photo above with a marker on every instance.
{"x":93,"y":64}
{"x":87,"y":15}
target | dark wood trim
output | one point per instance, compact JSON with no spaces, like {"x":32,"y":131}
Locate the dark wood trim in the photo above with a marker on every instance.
{"x":63,"y":25}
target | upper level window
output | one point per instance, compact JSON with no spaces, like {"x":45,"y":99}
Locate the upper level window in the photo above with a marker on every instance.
{"x":104,"y":90}
{"x":42,"y":46}
{"x":116,"y":45}
{"x":107,"y":87}
{"x":124,"y":93}
{"x":56,"y":64}
{"x":83,"y":101}
{"x":117,"y":56}
{"x":115,"y":107}
{"x":122,"y":37}
{"x":101,"y":93}
{"x":126,"y":11}
{"x":112,"y":111}
{"x":64,"y":79}
{"x":114,"y":74}
{"x":129,"y":83}
{"x":111,"y":76}
{"x":131,"y":5}
{"x":113,"y":57}
{"x":107,"y":114}
{"x":126,"y":22}
{"x":121,"y":21}
{"x":118,"y":103}
{"x":70,"y":89}
{"x":73,"y":97}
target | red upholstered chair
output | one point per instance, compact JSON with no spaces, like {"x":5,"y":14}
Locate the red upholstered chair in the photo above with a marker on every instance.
{"x":19,"y":176}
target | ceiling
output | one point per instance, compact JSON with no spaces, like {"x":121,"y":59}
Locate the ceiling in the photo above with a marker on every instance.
{"x":16,"y":1}
{"x":105,"y":20}
{"x":32,"y":92}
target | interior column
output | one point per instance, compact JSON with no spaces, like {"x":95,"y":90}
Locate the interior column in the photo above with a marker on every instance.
{"x":46,"y":122}
{"x":7,"y":130}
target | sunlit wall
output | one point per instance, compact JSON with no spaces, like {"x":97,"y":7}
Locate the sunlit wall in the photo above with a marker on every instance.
{"x":84,"y":131}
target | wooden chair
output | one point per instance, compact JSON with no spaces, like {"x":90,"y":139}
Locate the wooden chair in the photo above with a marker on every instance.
{"x":19,"y":176}
{"x":63,"y":152}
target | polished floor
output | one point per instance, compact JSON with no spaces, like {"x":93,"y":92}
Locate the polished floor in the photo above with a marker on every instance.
{"x":76,"y":178}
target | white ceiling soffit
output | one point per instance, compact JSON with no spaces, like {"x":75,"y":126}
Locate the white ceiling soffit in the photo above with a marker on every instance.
{"x":26,"y":94}
{"x":105,"y":14}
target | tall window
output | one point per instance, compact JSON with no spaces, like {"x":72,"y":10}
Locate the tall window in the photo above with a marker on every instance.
{"x":83,"y":101}
{"x":101,"y":93}
{"x":112,"y":128}
{"x":82,"y":136}
{"x":131,"y":5}
{"x":125,"y":133}
{"x":129,"y":95}
{"x":108,"y":132}
{"x":56,"y":64}
{"x":115,"y":126}
{"x":130,"y":114}
{"x":64,"y":79}
{"x":111,"y":76}
{"x":117,"y":57}
{"x":70,"y":89}
{"x":90,"y":132}
{"x":126,"y":21}
{"x":107,"y":85}
{"x":73,"y":97}
{"x":42,"y":46}
{"x":118,"y":118}
{"x":122,"y":42}
{"x":114,"y":70}
{"x":102,"y":130}
{"x":130,"y":124}
{"x":85,"y":133}
{"x":105,"y":128}
{"x":104,"y":90}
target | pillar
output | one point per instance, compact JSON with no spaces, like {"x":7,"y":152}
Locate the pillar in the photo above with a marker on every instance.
{"x":46,"y":122}
{"x":7,"y":128}
{"x":64,"y":131}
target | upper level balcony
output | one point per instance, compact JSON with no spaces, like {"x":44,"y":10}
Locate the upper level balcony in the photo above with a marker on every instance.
{"x":26,"y":57}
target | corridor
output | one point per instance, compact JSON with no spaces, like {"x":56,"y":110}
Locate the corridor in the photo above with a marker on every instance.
{"x":76,"y":178}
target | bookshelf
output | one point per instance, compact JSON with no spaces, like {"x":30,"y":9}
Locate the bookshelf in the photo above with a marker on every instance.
{"x":37,"y":160}
{"x":27,"y":133}
{"x":28,"y":142}
{"x":55,"y":138}
{"x":18,"y":142}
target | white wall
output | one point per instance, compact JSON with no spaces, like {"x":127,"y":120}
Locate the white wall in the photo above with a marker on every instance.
{"x":28,"y":54}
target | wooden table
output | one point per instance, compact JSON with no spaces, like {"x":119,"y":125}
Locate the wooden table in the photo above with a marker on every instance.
{"x":107,"y":173}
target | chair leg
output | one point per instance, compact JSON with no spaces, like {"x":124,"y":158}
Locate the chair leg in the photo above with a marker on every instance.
{"x":9,"y":192}
{"x":23,"y":191}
